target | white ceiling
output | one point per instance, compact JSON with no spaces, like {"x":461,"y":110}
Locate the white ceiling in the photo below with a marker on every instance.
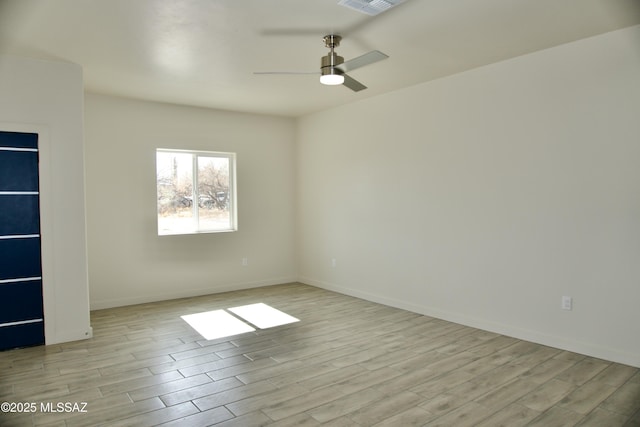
{"x":204,"y":52}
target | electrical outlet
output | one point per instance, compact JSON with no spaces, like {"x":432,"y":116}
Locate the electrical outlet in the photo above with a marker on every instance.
{"x":333,"y":262}
{"x":567,"y":303}
{"x":245,"y":261}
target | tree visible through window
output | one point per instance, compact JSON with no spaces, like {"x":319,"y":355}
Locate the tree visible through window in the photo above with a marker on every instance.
{"x":196,"y":191}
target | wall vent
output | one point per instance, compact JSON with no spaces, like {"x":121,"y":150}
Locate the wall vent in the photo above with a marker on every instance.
{"x":370,"y":7}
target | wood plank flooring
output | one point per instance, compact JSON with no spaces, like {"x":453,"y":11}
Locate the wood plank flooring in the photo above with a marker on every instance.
{"x":348,"y":362}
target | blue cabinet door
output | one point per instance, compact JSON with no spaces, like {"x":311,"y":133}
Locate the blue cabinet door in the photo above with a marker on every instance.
{"x":21,"y":307}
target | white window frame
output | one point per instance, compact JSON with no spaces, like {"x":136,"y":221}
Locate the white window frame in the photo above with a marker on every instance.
{"x":233,"y":205}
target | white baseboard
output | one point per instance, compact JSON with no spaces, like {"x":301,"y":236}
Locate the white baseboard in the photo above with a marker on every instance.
{"x":186,"y":293}
{"x":559,"y":342}
{"x":68,"y":336}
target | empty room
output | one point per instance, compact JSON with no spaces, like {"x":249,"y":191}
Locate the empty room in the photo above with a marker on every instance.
{"x":319,"y":212}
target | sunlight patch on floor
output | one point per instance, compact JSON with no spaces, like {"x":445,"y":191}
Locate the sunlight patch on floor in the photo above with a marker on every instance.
{"x":220,"y":323}
{"x":216,"y":324}
{"x":262,"y":315}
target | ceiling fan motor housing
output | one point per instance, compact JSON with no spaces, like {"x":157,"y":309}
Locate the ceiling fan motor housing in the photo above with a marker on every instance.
{"x":330,"y":62}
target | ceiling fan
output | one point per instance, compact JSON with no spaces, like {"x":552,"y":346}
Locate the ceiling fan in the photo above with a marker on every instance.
{"x":333,"y":67}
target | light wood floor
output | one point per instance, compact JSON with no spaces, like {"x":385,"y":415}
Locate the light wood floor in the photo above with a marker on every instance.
{"x":348,"y":362}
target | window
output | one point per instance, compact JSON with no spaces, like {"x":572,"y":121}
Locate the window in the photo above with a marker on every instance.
{"x":196,"y":192}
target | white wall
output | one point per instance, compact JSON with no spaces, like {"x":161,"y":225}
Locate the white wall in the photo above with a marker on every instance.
{"x":128,"y":262}
{"x":46,"y":97}
{"x":484,"y":197}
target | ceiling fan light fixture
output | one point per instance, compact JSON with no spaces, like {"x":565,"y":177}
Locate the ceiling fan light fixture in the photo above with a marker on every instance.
{"x":332,"y":79}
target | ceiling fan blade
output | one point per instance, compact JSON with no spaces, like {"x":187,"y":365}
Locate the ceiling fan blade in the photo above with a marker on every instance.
{"x":292,"y":32}
{"x":362,"y":60}
{"x":286,"y":72}
{"x":353,"y":84}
